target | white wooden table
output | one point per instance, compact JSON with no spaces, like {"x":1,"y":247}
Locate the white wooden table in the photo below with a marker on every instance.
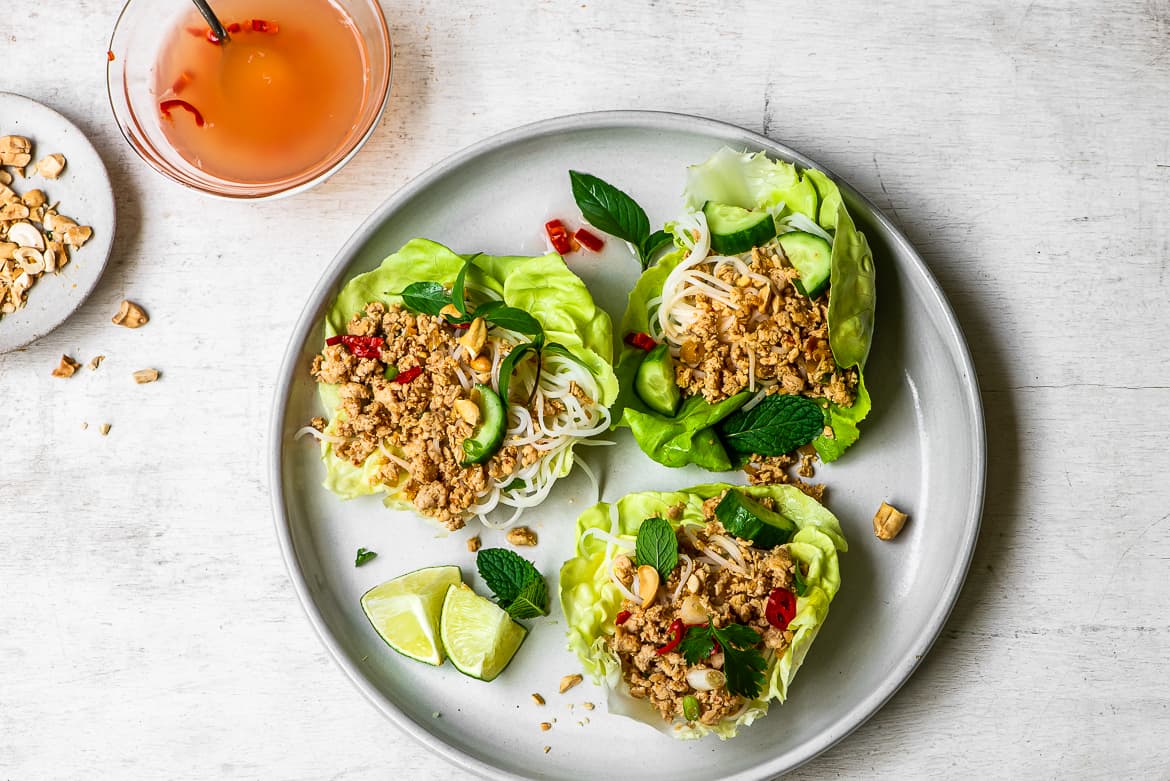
{"x":147,"y":626}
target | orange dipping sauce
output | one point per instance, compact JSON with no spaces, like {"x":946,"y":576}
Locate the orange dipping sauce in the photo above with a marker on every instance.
{"x":282,"y":96}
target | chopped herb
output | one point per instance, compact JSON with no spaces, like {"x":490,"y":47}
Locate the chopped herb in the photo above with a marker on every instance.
{"x":690,"y":706}
{"x":799,"y":586}
{"x":778,"y":424}
{"x":511,"y":318}
{"x":657,"y":546}
{"x":743,"y":663}
{"x":518,"y":586}
{"x":391,"y":372}
{"x":363,"y":556}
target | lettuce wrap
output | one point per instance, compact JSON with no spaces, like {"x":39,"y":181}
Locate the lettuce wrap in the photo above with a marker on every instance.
{"x":544,"y":287}
{"x":591,"y":600}
{"x":806,"y":200}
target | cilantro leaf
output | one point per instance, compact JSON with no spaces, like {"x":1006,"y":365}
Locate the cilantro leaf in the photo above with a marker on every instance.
{"x":363,"y":556}
{"x":698,"y":644}
{"x":657,"y":546}
{"x":778,"y":424}
{"x":426,"y":298}
{"x":743,"y":664}
{"x":532,"y":601}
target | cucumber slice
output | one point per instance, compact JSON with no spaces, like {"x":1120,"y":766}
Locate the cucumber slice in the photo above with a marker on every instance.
{"x":479,"y":636}
{"x":654,"y":383}
{"x":812,"y":257}
{"x":744,"y":517}
{"x":489,"y":434}
{"x":405,"y":611}
{"x":735,"y":230}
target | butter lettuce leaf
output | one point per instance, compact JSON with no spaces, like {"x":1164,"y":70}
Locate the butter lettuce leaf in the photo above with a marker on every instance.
{"x":542,"y":286}
{"x":591,"y":601}
{"x":753,"y":181}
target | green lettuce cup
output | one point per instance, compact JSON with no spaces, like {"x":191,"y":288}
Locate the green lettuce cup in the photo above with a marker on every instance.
{"x":598,"y":607}
{"x":567,"y":343}
{"x":727,"y":193}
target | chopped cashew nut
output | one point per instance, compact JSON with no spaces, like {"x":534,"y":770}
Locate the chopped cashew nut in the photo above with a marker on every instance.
{"x":66,"y":367}
{"x":143,"y":376}
{"x":468,"y":410}
{"x":647,"y":584}
{"x":105,"y":429}
{"x":95,"y":362}
{"x":537,"y":699}
{"x":473,"y":544}
{"x":522,"y":536}
{"x":51,"y":167}
{"x":888,"y":522}
{"x":130,"y":315}
{"x":545,"y":726}
{"x":569,"y":681}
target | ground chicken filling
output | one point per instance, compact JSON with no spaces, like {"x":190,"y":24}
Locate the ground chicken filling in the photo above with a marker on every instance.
{"x":712,"y":590}
{"x":774,"y":328}
{"x":419,"y":421}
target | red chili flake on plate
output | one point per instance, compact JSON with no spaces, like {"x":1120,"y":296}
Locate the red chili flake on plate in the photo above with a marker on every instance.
{"x":622,"y":617}
{"x":409,"y":375}
{"x":781,"y":608}
{"x":166,"y":106}
{"x":559,"y":236}
{"x":589,"y":241}
{"x":109,"y":55}
{"x":641,"y":341}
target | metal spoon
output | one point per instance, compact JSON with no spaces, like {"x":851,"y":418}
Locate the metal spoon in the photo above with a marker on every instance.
{"x":217,"y":28}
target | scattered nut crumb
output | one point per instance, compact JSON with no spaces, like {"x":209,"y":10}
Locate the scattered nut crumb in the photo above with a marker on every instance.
{"x":143,"y":376}
{"x":66,"y":367}
{"x":473,"y":544}
{"x":888,"y":522}
{"x":84,"y":425}
{"x":522,"y":536}
{"x":547,"y":749}
{"x":130,"y":315}
{"x":537,"y":699}
{"x":105,"y":429}
{"x":95,"y":362}
{"x":569,"y":681}
{"x":588,"y":705}
{"x":545,"y":726}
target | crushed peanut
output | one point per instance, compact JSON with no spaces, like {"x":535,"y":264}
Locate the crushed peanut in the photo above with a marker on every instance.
{"x":130,"y":315}
{"x":545,"y":726}
{"x":66,"y":367}
{"x":588,"y":705}
{"x":473,"y":544}
{"x":95,"y":362}
{"x":84,"y":425}
{"x":34,"y":238}
{"x":522,"y":536}
{"x":143,"y":376}
{"x":105,"y":429}
{"x":547,"y":749}
{"x":888,"y":522}
{"x":569,"y":681}
{"x":537,"y":699}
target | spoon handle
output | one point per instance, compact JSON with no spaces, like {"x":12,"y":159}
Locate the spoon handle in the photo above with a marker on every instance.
{"x":217,"y":28}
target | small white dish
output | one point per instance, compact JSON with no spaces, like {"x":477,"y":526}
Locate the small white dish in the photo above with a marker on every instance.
{"x":85,"y":195}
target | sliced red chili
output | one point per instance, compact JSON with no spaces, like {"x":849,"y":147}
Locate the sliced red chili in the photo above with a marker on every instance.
{"x":781,"y":608}
{"x":262,"y":26}
{"x":409,"y":375}
{"x":622,"y":617}
{"x":677,"y":630}
{"x":181,"y":82}
{"x":166,"y":106}
{"x":364,"y":346}
{"x":589,"y":241}
{"x":559,"y":236}
{"x":641,"y":341}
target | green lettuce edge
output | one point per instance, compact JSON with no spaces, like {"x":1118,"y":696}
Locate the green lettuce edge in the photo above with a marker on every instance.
{"x":543,"y":286}
{"x":591,"y":602}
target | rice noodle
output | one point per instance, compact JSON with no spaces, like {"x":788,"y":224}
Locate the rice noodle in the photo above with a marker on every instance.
{"x":309,"y":431}
{"x":729,"y":545}
{"x":682,"y":578}
{"x":617,"y":582}
{"x":799,"y":222}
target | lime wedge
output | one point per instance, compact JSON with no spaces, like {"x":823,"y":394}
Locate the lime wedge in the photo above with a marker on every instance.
{"x":406,"y":611}
{"x":479,"y":636}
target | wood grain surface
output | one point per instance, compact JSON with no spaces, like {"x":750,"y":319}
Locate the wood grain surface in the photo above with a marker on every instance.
{"x":147,"y":625}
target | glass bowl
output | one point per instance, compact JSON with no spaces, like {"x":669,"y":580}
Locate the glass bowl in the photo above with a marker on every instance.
{"x":143,"y":28}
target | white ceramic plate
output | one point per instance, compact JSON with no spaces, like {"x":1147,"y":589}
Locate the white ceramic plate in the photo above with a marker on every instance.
{"x":922,"y":449}
{"x":84,"y":193}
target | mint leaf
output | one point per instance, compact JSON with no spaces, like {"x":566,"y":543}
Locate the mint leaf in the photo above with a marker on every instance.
{"x":505,"y":572}
{"x":609,"y":209}
{"x":426,"y":298}
{"x":363,"y":556}
{"x":532,"y":601}
{"x":698,"y":643}
{"x":511,"y":318}
{"x":743,"y":664}
{"x":508,"y":365}
{"x":778,"y":424}
{"x":657,"y":546}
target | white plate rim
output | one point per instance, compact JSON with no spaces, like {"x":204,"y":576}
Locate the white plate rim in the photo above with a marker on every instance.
{"x":106,"y":243}
{"x":601,"y":120}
